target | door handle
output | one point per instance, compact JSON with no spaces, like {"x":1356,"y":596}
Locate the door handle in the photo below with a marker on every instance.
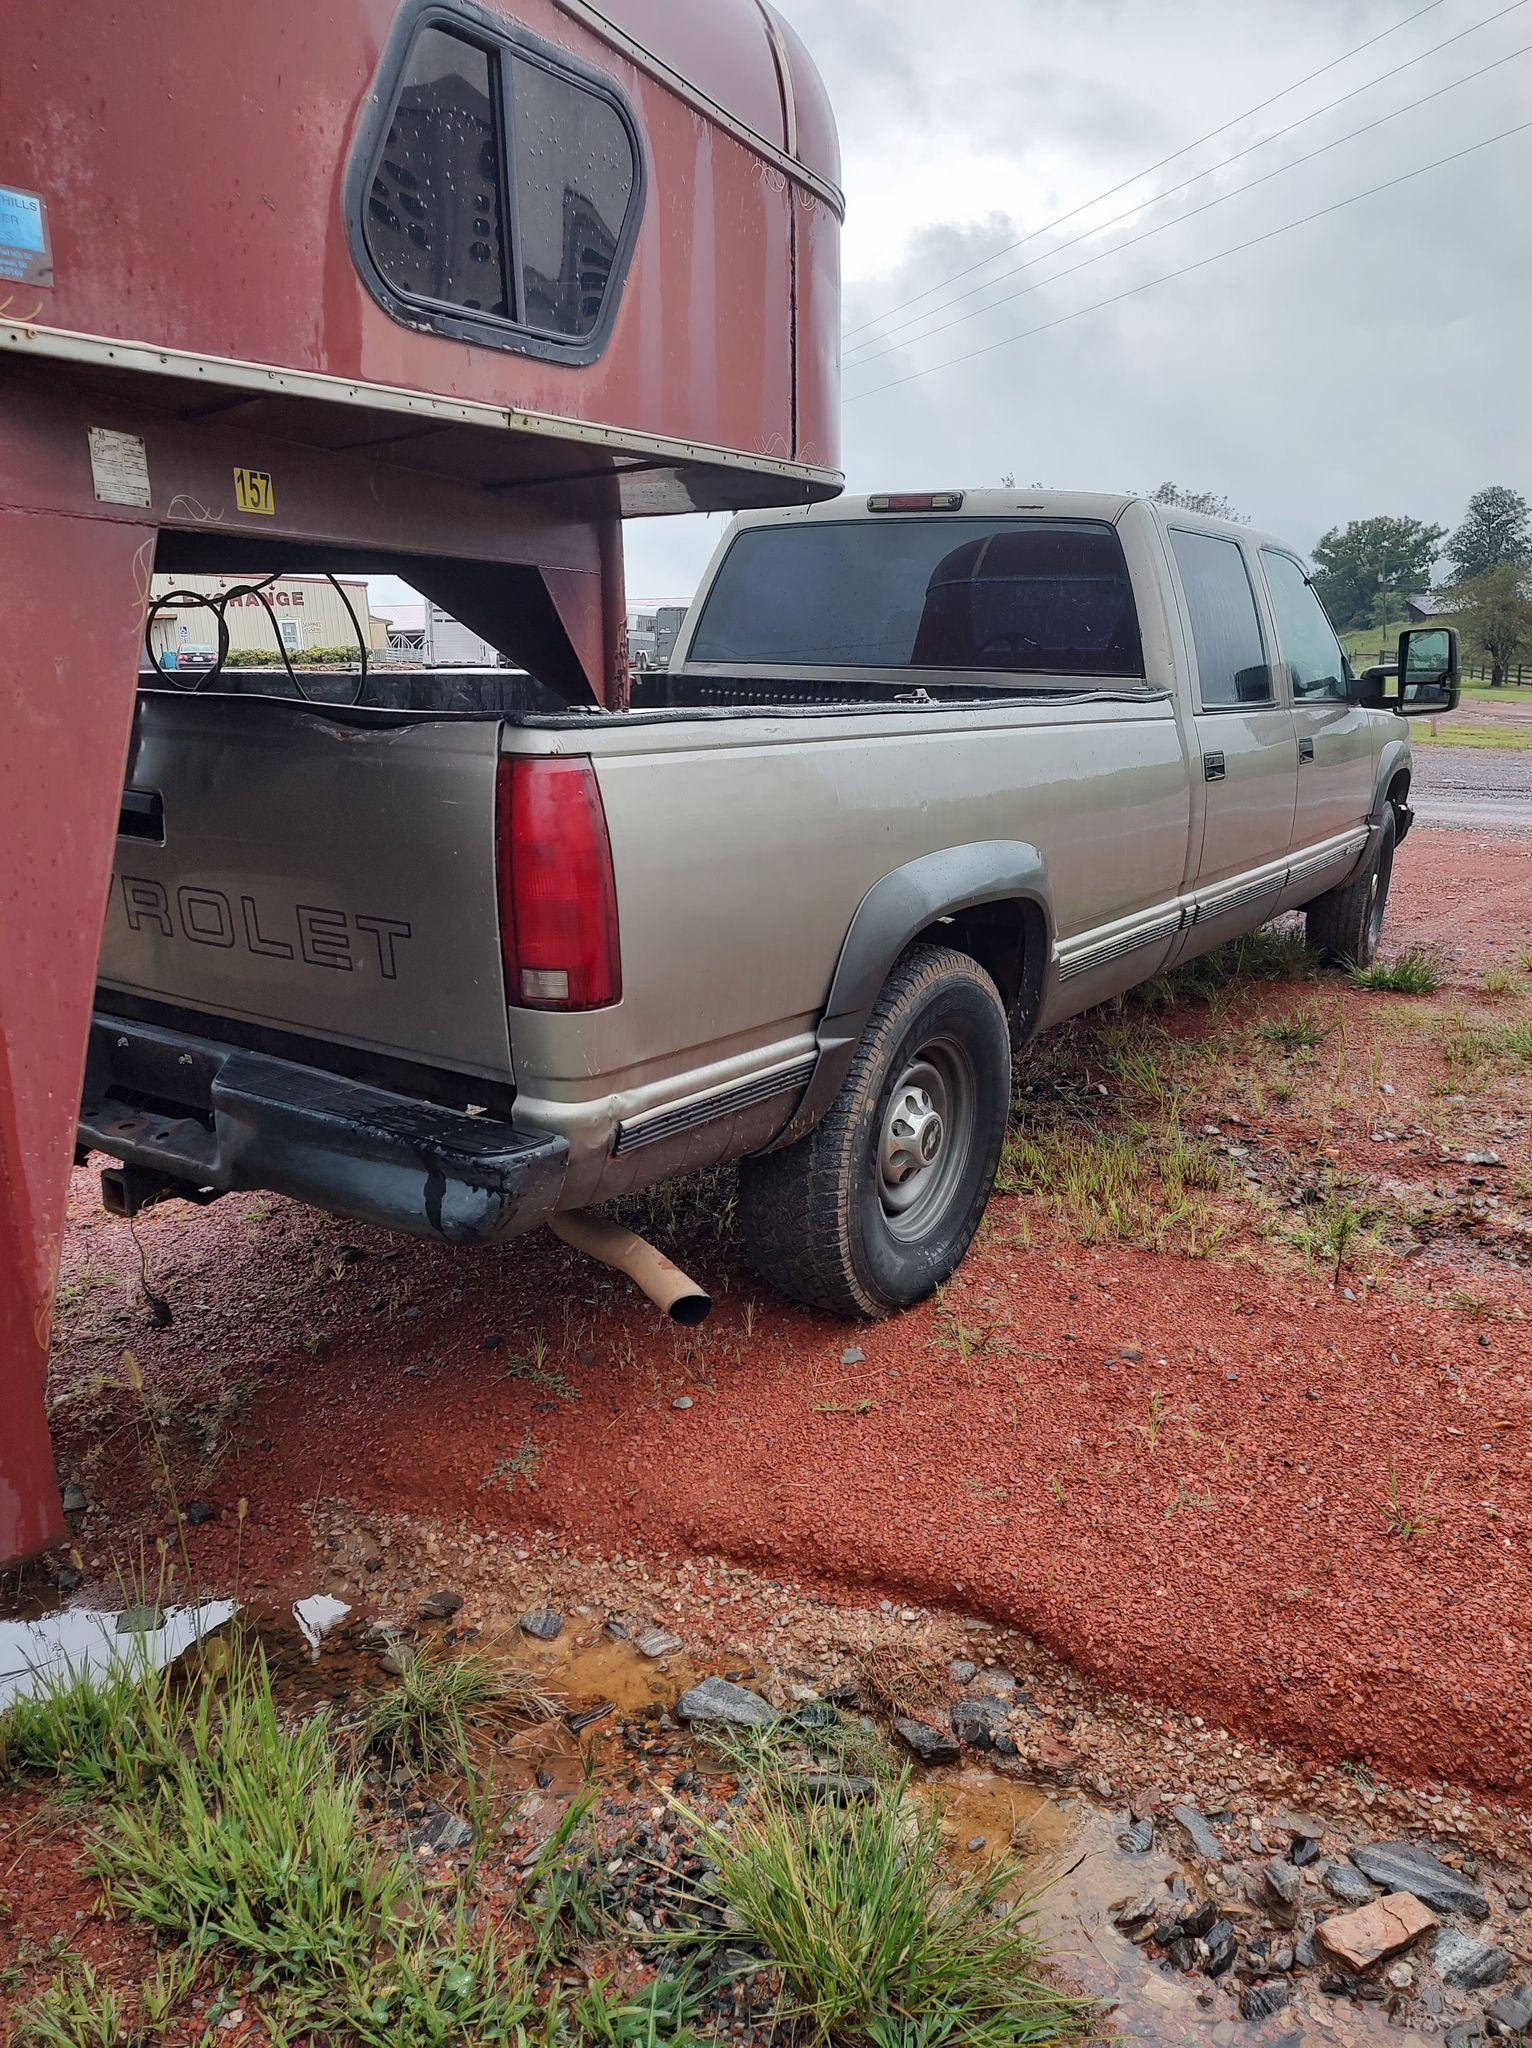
{"x":1213,"y":768}
{"x":1305,"y":750}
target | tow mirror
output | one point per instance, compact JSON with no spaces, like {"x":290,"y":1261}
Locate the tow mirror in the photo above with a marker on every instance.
{"x":1428,"y":670}
{"x":1422,"y":682}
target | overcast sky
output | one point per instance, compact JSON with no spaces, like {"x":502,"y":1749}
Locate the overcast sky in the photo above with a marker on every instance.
{"x":1373,"y":361}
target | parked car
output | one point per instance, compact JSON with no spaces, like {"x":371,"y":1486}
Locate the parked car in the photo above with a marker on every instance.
{"x":928,"y":774}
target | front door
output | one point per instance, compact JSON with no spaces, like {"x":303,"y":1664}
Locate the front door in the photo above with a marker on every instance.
{"x":1337,"y":755}
{"x":1247,"y":752}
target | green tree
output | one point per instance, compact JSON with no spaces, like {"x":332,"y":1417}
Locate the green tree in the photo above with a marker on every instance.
{"x":1211,"y":503}
{"x":1365,"y":569}
{"x":1494,"y":614}
{"x":1496,"y":530}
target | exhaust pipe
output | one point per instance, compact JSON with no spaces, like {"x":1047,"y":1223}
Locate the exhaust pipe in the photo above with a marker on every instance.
{"x":660,"y":1278}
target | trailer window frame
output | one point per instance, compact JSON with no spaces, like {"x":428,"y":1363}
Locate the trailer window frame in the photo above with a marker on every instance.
{"x":506,"y":45}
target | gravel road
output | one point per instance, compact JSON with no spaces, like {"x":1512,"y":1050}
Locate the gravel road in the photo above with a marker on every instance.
{"x":1475,"y":789}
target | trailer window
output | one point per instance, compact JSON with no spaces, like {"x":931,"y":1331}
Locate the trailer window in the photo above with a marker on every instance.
{"x":433,"y":212}
{"x":502,"y":194}
{"x":574,"y":180}
{"x":1026,"y":596}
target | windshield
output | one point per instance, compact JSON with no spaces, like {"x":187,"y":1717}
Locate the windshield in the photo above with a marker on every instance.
{"x":1026,"y":596}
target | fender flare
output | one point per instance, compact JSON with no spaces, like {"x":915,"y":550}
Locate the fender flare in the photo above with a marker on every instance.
{"x":893,"y":912}
{"x":1396,"y":755}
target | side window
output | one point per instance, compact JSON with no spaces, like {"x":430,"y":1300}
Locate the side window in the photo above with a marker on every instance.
{"x":1232,"y":669}
{"x":1309,"y":646}
{"x":433,"y":211}
{"x":573,"y":184}
{"x":501,"y":202}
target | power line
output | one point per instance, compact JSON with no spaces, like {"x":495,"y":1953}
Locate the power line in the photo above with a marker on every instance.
{"x":1186,"y":184}
{"x":1202,"y":263}
{"x":1185,"y":150}
{"x":897,"y":347}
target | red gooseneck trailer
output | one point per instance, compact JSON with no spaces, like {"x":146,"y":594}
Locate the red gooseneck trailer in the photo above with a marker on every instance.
{"x":442,"y":289}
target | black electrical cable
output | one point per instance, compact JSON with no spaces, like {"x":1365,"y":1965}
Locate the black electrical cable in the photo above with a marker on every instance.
{"x":218,"y":603}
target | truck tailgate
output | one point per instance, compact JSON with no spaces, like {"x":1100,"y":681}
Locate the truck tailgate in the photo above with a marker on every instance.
{"x":303,"y":872}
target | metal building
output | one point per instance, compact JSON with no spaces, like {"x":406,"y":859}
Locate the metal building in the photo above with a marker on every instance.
{"x":309,"y":611}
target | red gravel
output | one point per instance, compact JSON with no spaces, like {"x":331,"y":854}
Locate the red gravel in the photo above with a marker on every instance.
{"x":1206,"y":1523}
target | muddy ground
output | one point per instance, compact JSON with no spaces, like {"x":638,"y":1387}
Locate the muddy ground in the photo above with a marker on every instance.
{"x":1219,"y":1443}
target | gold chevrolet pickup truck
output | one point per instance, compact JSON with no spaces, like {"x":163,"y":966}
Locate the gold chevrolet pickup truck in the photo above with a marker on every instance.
{"x":926,"y":774}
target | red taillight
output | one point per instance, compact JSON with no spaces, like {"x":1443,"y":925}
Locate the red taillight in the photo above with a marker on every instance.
{"x":558,"y":901}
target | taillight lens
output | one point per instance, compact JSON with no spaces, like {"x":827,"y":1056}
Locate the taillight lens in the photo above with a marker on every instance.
{"x":558,"y":900}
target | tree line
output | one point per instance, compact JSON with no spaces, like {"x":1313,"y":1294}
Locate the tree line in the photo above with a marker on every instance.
{"x":1365,"y":570}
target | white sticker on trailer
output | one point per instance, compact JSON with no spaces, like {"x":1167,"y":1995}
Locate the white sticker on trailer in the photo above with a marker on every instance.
{"x":119,"y":468}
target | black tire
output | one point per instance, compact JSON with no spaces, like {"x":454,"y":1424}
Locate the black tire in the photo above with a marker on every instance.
{"x":863,"y":1216}
{"x":1345,"y":924}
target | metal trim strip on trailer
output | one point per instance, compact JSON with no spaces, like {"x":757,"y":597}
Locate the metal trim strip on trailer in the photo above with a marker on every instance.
{"x":63,"y":345}
{"x":791,"y":166}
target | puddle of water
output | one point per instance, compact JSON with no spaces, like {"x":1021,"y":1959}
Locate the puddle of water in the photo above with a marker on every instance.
{"x":1064,"y":1845}
{"x":33,"y":1653}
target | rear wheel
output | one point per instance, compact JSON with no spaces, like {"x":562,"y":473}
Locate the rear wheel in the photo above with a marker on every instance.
{"x":878,"y":1204}
{"x":1345,"y":925}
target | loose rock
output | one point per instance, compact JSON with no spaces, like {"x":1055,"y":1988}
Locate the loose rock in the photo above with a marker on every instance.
{"x":440,"y":1606}
{"x":839,"y":1788}
{"x":1402,"y":1867}
{"x":545,"y":1623}
{"x":1137,"y":1839}
{"x":1283,"y":1887}
{"x":656,"y":1642}
{"x":1469,"y":1964}
{"x":1260,"y":2001}
{"x":1199,"y":1833}
{"x":1513,"y":2009}
{"x":1348,"y":1885}
{"x":1375,"y":1932}
{"x":443,"y":1832}
{"x":931,"y":1745}
{"x":984,"y":1724}
{"x":717,"y":1699}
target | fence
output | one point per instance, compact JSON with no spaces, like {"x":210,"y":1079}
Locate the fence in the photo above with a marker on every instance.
{"x":1472,"y":671}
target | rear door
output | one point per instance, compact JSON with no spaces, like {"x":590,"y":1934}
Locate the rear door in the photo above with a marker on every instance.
{"x":1337,"y":754}
{"x":1246,"y":750}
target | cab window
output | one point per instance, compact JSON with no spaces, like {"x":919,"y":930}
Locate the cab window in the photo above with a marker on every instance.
{"x":1314,"y":657}
{"x":1232,"y":669}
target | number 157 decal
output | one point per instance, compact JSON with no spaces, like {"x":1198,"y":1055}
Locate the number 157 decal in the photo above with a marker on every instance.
{"x":253,"y":492}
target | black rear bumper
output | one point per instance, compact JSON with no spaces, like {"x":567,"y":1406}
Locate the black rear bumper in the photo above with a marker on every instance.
{"x":213,"y":1117}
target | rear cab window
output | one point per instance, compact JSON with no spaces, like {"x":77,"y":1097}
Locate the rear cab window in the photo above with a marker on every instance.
{"x":1233,"y":672}
{"x":1013,"y":596}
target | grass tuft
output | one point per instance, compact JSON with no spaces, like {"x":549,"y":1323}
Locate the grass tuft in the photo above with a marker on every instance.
{"x":75,"y":2011}
{"x":422,"y":1721}
{"x":106,"y":1733}
{"x":665,"y":2014}
{"x":1334,"y":1234}
{"x":253,"y":1837}
{"x":1301,"y":1032}
{"x":437,"y":1987}
{"x":878,"y":1944}
{"x":1414,"y":972}
{"x":1145,"y":1184}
